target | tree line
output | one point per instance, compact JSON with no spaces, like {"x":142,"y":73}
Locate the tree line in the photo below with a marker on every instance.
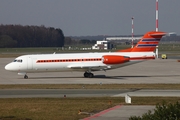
{"x":30,"y":36}
{"x":71,"y":41}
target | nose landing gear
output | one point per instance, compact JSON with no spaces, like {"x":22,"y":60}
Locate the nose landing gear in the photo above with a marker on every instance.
{"x":25,"y":77}
{"x":23,"y":73}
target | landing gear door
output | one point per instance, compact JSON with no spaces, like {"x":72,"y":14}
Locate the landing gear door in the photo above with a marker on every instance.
{"x":29,"y":63}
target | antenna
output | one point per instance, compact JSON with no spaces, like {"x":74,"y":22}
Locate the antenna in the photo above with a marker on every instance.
{"x":156,"y":15}
{"x":132,"y":32}
{"x":157,"y":26}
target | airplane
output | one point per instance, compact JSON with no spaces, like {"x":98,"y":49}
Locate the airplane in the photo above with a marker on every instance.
{"x":87,"y":62}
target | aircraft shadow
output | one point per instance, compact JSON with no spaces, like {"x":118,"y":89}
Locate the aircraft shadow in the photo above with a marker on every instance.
{"x":134,"y":76}
{"x":105,"y":77}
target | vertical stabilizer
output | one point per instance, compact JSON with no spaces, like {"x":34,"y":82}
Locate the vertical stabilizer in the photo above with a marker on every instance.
{"x":147,"y":43}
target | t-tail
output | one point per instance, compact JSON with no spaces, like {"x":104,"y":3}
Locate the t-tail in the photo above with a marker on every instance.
{"x":147,"y":43}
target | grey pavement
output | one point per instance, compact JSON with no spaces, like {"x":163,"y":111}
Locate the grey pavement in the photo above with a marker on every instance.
{"x":151,"y":72}
{"x":151,"y":93}
{"x":123,"y":112}
{"x":59,"y":93}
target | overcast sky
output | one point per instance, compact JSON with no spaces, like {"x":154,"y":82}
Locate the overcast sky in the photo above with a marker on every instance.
{"x":93,"y":17}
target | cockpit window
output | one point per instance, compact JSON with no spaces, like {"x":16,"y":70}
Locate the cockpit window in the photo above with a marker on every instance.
{"x":18,"y":60}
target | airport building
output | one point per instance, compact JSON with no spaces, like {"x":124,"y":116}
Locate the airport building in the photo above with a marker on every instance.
{"x":103,"y":45}
{"x":107,"y":44}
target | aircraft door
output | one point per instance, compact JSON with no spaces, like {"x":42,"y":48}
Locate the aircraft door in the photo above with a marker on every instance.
{"x":29,"y":63}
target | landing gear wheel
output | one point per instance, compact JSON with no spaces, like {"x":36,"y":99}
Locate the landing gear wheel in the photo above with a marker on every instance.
{"x":25,"y":77}
{"x":85,"y":74}
{"x":89,"y":75}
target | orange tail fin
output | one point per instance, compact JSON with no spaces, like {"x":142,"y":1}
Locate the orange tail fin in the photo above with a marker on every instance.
{"x":147,"y":43}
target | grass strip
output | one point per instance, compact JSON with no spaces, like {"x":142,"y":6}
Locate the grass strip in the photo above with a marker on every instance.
{"x":66,"y":108}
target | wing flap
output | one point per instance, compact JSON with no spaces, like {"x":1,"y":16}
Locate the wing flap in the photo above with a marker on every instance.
{"x":87,"y":67}
{"x":78,"y":66}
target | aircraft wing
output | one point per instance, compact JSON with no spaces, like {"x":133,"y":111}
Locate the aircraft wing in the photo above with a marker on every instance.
{"x":87,"y":66}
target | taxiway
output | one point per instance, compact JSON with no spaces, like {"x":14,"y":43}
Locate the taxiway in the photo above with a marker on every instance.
{"x":148,"y":72}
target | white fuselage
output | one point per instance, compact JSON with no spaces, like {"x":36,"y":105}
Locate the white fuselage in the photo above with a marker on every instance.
{"x":72,"y":62}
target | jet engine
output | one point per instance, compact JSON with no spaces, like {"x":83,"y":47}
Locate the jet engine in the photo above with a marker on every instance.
{"x":114,"y":59}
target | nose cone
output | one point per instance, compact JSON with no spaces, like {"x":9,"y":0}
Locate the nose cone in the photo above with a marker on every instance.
{"x":9,"y":67}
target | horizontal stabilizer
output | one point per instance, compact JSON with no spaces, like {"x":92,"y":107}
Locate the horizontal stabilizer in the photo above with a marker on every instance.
{"x":158,"y":34}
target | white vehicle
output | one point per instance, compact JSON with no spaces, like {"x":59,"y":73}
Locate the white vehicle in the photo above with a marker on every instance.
{"x":87,"y":62}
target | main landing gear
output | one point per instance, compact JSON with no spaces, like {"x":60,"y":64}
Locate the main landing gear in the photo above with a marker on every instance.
{"x":25,"y":77}
{"x":88,"y":75}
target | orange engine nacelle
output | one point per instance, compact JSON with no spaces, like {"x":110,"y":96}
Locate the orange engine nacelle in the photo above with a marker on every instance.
{"x":114,"y":59}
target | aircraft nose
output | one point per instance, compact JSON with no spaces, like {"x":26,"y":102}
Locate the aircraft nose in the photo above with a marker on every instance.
{"x":8,"y":67}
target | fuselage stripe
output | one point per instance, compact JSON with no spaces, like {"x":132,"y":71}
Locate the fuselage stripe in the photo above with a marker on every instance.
{"x":69,"y":60}
{"x":151,"y":40}
{"x":142,"y":58}
{"x":147,"y":45}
